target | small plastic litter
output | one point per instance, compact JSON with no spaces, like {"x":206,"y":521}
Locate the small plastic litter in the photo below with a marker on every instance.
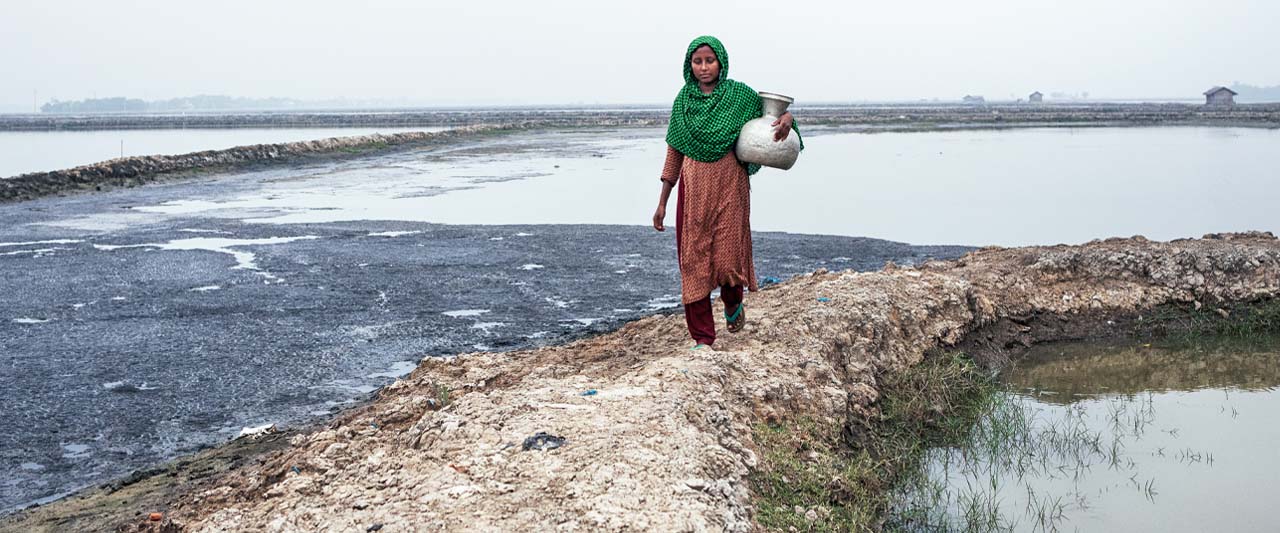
{"x":295,"y":469}
{"x":824,"y":299}
{"x":543,"y":441}
{"x":770,"y":280}
{"x":590,"y":392}
{"x":375,"y":527}
{"x":155,"y":517}
{"x":259,"y":431}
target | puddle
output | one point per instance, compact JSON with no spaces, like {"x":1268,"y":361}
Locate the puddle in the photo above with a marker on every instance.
{"x":1115,"y":438}
{"x":465,"y":313}
{"x":664,"y":302}
{"x":75,"y":451}
{"x":397,"y":370}
{"x":39,"y":252}
{"x":29,"y":320}
{"x":198,"y":230}
{"x":392,"y":233}
{"x":244,"y":260}
{"x":51,"y":241}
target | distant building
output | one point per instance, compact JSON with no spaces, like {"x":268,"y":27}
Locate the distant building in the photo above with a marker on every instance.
{"x":1220,"y":96}
{"x":1036,"y":97}
{"x":974,"y":100}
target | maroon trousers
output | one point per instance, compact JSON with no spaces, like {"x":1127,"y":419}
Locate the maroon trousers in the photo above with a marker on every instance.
{"x":698,"y":315}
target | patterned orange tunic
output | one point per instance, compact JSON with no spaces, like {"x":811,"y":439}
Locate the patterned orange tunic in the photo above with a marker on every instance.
{"x":713,"y":223}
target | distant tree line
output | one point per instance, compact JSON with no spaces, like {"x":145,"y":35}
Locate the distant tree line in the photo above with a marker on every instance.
{"x":191,"y":103}
{"x":97,"y":105}
{"x":1251,"y":93}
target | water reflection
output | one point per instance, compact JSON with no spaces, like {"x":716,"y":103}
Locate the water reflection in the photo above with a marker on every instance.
{"x":1065,"y":373}
{"x":1115,"y":438}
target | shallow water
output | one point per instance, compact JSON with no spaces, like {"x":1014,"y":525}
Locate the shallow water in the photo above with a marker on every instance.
{"x":1029,"y":186}
{"x":38,"y":151}
{"x":1004,"y":187}
{"x":1119,"y":438}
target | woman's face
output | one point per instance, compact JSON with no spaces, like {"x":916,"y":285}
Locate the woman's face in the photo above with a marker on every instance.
{"x":706,"y":68}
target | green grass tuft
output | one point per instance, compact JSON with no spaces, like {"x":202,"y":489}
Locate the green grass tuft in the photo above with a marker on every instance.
{"x":1246,"y":321}
{"x":845,"y":484}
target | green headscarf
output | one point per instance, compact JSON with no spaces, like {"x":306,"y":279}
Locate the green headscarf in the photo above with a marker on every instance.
{"x":706,"y":126}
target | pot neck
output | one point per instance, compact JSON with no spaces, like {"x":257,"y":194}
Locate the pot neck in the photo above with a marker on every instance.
{"x":774,"y":106}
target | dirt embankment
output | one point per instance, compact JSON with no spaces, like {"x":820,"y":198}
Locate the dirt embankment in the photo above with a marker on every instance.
{"x":664,"y":443}
{"x":917,"y":115}
{"x":134,"y":171}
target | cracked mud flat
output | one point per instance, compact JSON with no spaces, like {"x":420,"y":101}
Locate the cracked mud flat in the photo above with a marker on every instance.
{"x":665,"y":443}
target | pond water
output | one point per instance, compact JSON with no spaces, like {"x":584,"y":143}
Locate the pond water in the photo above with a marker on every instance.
{"x":39,"y":151}
{"x":1117,"y":438}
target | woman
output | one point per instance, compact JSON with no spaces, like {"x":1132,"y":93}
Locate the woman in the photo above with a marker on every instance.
{"x":713,"y":205}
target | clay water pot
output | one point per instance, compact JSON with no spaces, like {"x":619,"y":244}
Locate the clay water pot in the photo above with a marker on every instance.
{"x":755,"y":142}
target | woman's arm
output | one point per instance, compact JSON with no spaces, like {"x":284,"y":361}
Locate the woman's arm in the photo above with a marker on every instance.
{"x":670,"y":175}
{"x":661,"y":213}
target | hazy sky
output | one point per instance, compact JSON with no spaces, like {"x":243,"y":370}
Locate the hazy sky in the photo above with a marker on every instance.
{"x":522,"y":52}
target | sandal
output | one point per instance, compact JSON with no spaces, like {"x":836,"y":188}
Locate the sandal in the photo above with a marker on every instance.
{"x":700,"y":346}
{"x":738,"y":319}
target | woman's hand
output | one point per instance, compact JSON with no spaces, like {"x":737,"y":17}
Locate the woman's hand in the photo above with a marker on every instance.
{"x":782,"y":127}
{"x":661,"y":213}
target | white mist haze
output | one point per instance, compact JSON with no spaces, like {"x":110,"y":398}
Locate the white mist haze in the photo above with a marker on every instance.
{"x":497,"y":52}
